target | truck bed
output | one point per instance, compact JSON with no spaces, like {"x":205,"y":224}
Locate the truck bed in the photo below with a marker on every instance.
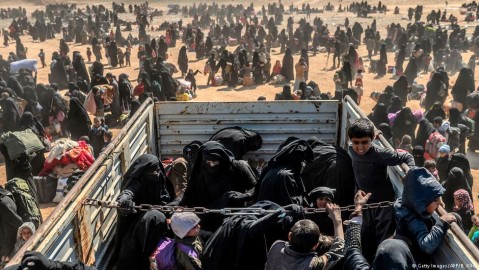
{"x":76,"y":232}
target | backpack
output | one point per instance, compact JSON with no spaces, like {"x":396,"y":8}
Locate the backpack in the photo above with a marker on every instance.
{"x":21,"y":142}
{"x":433,"y":143}
{"x":163,"y":258}
{"x":27,"y":205}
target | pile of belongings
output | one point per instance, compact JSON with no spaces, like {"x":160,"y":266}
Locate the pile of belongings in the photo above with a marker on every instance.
{"x":67,"y":156}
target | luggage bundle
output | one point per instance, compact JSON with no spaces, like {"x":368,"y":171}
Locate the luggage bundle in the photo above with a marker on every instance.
{"x":21,"y":142}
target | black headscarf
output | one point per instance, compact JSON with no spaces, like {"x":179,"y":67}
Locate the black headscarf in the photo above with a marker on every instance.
{"x":287,"y":68}
{"x":29,"y":121}
{"x":401,"y":89}
{"x":208,"y":183}
{"x":411,"y":71}
{"x":320,"y":192}
{"x":238,"y":140}
{"x":456,"y":179}
{"x":404,"y":124}
{"x":331,"y":167}
{"x":379,"y":115}
{"x":396,"y":105}
{"x":425,"y":129}
{"x":464,"y":86}
{"x":146,"y":179}
{"x":460,"y":160}
{"x":434,"y":87}
{"x":11,"y":115}
{"x":78,"y":119}
{"x":435,"y":111}
{"x":79,"y":66}
{"x":183,"y":60}
{"x":243,"y":237}
{"x":15,"y":85}
{"x":418,"y":154}
{"x":280,"y":181}
{"x":141,"y":240}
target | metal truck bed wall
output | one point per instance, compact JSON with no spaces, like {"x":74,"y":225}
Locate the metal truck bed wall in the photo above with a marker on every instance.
{"x":73,"y":232}
{"x":180,"y":123}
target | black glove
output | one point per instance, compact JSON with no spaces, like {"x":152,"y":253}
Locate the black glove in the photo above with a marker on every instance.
{"x":33,"y":260}
{"x":237,"y":198}
{"x":294,"y":209}
{"x":125,"y":200}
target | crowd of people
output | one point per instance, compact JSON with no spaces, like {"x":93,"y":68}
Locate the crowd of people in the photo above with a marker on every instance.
{"x":75,"y":127}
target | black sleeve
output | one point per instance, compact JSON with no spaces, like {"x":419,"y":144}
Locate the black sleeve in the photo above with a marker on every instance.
{"x":393,"y":158}
{"x":245,"y":175}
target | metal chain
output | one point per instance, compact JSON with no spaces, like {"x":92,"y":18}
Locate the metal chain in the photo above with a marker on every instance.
{"x":224,"y":211}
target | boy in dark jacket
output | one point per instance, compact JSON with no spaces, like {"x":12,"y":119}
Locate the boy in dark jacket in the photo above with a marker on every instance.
{"x":370,"y":163}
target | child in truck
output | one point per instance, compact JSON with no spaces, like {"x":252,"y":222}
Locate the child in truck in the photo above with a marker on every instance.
{"x":370,"y":163}
{"x":23,"y":234}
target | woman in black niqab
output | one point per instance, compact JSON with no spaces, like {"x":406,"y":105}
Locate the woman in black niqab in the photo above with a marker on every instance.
{"x":79,"y":66}
{"x":143,"y":183}
{"x":45,"y":96}
{"x":28,"y":121}
{"x":456,"y":179}
{"x":401,"y":89}
{"x":280,"y":181}
{"x":78,"y":119}
{"x":464,"y":86}
{"x":15,"y":85}
{"x":436,"y":91}
{"x":379,"y":115}
{"x":11,"y":115}
{"x":425,"y":129}
{"x":215,"y":173}
{"x":396,"y":105}
{"x":383,"y":60}
{"x":411,"y":70}
{"x":435,"y":111}
{"x":418,"y":154}
{"x":183,"y":61}
{"x":404,"y":124}
{"x":287,"y":68}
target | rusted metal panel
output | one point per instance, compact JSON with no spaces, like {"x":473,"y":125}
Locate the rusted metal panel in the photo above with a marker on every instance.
{"x":180,"y":123}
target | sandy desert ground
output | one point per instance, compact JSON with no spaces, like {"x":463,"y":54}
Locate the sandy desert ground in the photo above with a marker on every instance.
{"x":319,"y":71}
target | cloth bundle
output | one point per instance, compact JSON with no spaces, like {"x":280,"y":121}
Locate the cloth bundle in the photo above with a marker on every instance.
{"x":65,"y":152}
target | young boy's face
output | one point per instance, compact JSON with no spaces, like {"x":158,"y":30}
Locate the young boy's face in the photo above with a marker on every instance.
{"x":96,"y":122}
{"x":361,"y":145}
{"x":433,"y":206}
{"x":194,"y":232}
{"x":26,"y":234}
{"x":443,"y":154}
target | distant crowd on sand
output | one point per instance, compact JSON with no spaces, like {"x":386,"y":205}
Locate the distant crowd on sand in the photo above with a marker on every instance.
{"x":49,"y":140}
